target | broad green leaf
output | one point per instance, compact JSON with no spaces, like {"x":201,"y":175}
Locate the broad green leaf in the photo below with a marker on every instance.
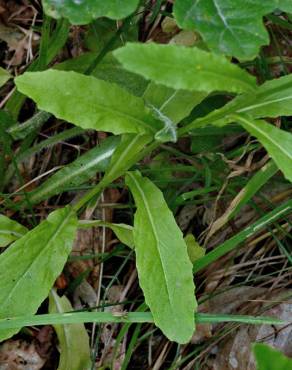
{"x":84,"y":11}
{"x":4,"y":76}
{"x":10,"y":230}
{"x":277,"y":142}
{"x":268,"y":358}
{"x":195,"y":251}
{"x":164,"y":268}
{"x":180,"y":67}
{"x":78,"y":172}
{"x":87,"y":102}
{"x":29,"y":267}
{"x":73,"y":339}
{"x":124,"y":232}
{"x":228,"y":26}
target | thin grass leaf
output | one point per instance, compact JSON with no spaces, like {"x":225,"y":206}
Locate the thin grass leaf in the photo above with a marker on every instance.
{"x":236,"y":240}
{"x":128,"y":317}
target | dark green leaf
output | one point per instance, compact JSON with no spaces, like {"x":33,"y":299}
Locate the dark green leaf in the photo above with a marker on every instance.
{"x":227,"y":26}
{"x":84,"y":11}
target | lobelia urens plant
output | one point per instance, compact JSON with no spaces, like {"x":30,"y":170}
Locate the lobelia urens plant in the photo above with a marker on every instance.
{"x":180,"y":79}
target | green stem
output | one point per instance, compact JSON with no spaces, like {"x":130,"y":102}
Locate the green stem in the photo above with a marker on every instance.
{"x":108,"y":178}
{"x":131,"y":317}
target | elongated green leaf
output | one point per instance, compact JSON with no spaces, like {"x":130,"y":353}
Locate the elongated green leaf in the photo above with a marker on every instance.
{"x":87,"y":102}
{"x":180,"y":67}
{"x":228,"y":26}
{"x":84,"y":11}
{"x":268,"y":358}
{"x":4,"y":76}
{"x":123,"y":232}
{"x":10,"y":230}
{"x":78,"y":172}
{"x":29,"y":267}
{"x":73,"y":339}
{"x":235,"y":241}
{"x":271,"y":99}
{"x":164,"y":268}
{"x":277,"y":142}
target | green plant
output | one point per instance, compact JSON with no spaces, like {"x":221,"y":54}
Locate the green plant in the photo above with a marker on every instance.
{"x":181,"y":78}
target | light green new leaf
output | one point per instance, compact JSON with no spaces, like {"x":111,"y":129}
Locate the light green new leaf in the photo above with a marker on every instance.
{"x":87,"y":102}
{"x":84,"y":11}
{"x":268,"y":358}
{"x":29,"y":267}
{"x":73,"y":339}
{"x":170,"y":106}
{"x":78,"y":172}
{"x":124,"y":232}
{"x":277,"y":142}
{"x":180,"y":67}
{"x":175,"y":104}
{"x":195,"y":251}
{"x":230,"y":27}
{"x":164,"y":268}
{"x":4,"y":76}
{"x":10,"y":230}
